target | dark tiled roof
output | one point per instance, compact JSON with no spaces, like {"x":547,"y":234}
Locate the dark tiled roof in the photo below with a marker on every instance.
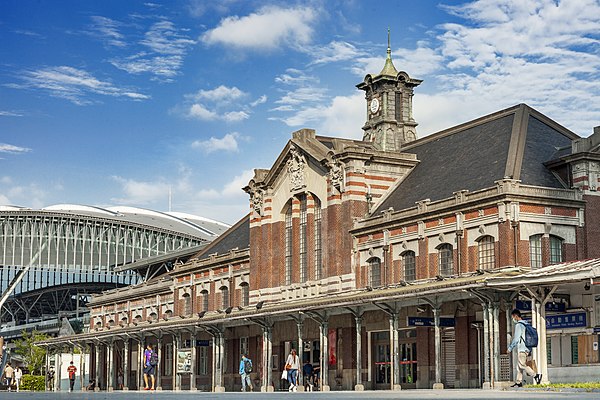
{"x":470,"y":159}
{"x":238,"y":236}
{"x":516,"y":141}
{"x":541,"y":145}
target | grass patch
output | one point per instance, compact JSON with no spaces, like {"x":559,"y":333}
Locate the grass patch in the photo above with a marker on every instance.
{"x":575,"y":385}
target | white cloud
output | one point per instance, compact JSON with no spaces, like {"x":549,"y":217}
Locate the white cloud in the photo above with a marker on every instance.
{"x":229,"y":143}
{"x":266,"y":29}
{"x":6,"y":180}
{"x":200,"y":112}
{"x":221,"y":94}
{"x":334,"y":52}
{"x":167,"y":47}
{"x":342,"y":117}
{"x":543,"y":53}
{"x":9,"y":148}
{"x":106,"y":30}
{"x":262,"y":99}
{"x":222,"y":103}
{"x":30,"y":195}
{"x":4,"y":113}
{"x":423,"y":60}
{"x":142,"y":193}
{"x":72,"y":84}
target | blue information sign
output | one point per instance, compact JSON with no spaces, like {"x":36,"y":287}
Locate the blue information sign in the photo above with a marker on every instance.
{"x":525,"y":305}
{"x":201,"y":343}
{"x":425,"y":321}
{"x":568,"y":320}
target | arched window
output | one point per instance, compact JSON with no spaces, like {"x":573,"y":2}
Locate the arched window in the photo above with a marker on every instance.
{"x":318,"y":246}
{"x":204,"y":295}
{"x":224,"y":297}
{"x":375,"y":272}
{"x":410,"y":267}
{"x":245,"y":300}
{"x":487,"y":257}
{"x":535,"y":251}
{"x":187,"y":304}
{"x":303,"y":238}
{"x":289,"y":237}
{"x":556,"y":253}
{"x":308,"y":247}
{"x":446,"y":260}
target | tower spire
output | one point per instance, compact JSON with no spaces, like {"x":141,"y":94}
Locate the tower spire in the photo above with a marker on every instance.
{"x":388,"y":68}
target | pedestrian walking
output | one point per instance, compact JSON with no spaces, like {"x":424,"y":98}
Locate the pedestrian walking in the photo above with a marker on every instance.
{"x":292,"y":365}
{"x":9,"y":375}
{"x":72,"y":371}
{"x":150,"y":363}
{"x":245,"y":370}
{"x":50,"y":379}
{"x":523,"y":351}
{"x":18,"y":376}
{"x":308,"y":371}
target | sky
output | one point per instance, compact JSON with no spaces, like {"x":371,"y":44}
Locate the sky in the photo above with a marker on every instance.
{"x":123,"y":102}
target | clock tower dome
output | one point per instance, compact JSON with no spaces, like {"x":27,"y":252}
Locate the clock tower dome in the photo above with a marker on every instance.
{"x":389,"y":94}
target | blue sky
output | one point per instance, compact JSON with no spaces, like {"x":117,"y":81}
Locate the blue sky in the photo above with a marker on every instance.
{"x":114,"y":102}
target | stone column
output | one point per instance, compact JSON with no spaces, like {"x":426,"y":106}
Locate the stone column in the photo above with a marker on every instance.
{"x":299,"y":326}
{"x":394,"y":349}
{"x":97,"y":388}
{"x":220,"y":349}
{"x":110,"y":381}
{"x":58,"y":369}
{"x":176,"y":376}
{"x":140,"y":361}
{"x":438,"y":349}
{"x":324,"y":328}
{"x":359,"y":385}
{"x":496,"y":340}
{"x":266,"y":360}
{"x":158,"y":369}
{"x":193,"y":339}
{"x":486,"y":347}
{"x":542,"y":351}
{"x":126,"y":364}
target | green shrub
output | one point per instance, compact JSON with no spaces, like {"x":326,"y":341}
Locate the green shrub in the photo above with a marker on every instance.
{"x":33,"y":382}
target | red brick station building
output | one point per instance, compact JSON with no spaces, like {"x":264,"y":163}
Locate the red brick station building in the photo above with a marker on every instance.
{"x":389,"y":263}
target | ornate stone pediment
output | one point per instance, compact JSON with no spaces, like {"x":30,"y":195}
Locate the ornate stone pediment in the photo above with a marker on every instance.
{"x":336,"y":174}
{"x":296,"y":169}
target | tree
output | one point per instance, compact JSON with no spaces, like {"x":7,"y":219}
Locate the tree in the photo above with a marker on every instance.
{"x":34,"y":356}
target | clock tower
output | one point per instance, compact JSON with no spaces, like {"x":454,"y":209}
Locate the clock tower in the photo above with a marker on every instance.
{"x":389,"y":94}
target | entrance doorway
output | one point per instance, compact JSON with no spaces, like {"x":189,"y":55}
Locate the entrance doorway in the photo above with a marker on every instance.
{"x":382,"y":365}
{"x":449,"y":357}
{"x":408,"y":358}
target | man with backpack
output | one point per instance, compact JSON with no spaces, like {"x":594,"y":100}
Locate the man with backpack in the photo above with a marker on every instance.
{"x":524,"y":339}
{"x":150,"y":363}
{"x":245,"y":370}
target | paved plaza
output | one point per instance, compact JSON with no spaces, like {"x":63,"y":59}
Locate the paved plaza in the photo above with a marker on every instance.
{"x":380,"y":395}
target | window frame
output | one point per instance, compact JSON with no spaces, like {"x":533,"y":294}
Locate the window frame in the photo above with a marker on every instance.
{"x":446,"y":260}
{"x":244,"y":294}
{"x":224,"y":297}
{"x":535,"y":251}
{"x":556,"y":244}
{"x":409,"y":275}
{"x":374,"y":266}
{"x":486,"y":252}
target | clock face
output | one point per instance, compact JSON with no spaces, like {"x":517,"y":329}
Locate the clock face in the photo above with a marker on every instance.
{"x":374,"y":106}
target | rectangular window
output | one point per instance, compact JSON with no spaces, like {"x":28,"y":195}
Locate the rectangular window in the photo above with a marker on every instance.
{"x":168,"y":364}
{"x":187,"y":304}
{"x":303,"y":252}
{"x":535,"y":251}
{"x":410,"y":270}
{"x":204,"y":300}
{"x":486,"y":253}
{"x":245,"y":294}
{"x":556,"y":256}
{"x":574,"y":350}
{"x":318,"y":251}
{"x":244,"y":347}
{"x":446,"y":260}
{"x":203,"y":360}
{"x":288,"y":246}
